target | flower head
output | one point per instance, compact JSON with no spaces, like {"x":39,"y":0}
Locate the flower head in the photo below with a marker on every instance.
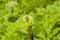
{"x":12,"y":3}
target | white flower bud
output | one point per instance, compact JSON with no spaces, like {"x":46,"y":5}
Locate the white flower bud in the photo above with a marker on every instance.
{"x":30,"y":19}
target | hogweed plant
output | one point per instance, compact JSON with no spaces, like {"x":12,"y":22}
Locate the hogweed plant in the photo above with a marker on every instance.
{"x":29,"y":19}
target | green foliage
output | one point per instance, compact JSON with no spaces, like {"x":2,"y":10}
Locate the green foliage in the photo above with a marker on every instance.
{"x":29,"y":19}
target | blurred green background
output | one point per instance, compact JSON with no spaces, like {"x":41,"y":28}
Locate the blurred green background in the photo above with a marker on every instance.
{"x":29,"y":19}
